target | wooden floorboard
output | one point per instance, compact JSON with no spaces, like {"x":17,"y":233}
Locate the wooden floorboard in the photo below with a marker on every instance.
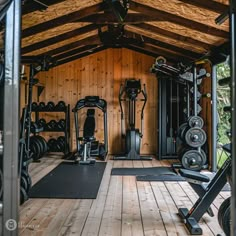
{"x":123,"y":206}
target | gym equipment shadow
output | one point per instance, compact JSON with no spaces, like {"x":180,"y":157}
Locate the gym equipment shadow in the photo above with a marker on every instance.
{"x":70,"y":181}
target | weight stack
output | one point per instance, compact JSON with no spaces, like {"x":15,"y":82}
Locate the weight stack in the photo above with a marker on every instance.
{"x":192,"y":137}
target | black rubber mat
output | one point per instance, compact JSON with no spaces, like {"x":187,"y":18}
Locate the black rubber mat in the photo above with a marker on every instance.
{"x":71,"y":181}
{"x":143,"y":171}
{"x":164,"y":177}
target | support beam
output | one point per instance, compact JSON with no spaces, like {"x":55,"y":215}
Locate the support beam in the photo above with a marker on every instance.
{"x":158,"y":43}
{"x":58,"y":38}
{"x":109,"y":18}
{"x":31,"y":5}
{"x":172,"y":35}
{"x":208,"y":5}
{"x":83,"y":49}
{"x":166,"y":16}
{"x":61,"y":20}
{"x":80,"y":55}
{"x":90,"y":40}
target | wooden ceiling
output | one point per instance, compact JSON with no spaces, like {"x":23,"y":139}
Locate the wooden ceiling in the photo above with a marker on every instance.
{"x":179,"y":30}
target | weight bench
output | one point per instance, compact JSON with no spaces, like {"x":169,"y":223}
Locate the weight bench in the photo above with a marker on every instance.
{"x":206,"y":194}
{"x":88,"y":138}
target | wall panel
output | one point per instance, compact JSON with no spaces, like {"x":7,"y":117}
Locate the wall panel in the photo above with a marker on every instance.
{"x":101,"y":74}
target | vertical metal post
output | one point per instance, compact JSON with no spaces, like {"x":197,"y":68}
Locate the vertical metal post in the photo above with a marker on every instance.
{"x":159,"y":118}
{"x":214,"y":118}
{"x":233,"y":113}
{"x":11,"y":119}
{"x":194,"y":91}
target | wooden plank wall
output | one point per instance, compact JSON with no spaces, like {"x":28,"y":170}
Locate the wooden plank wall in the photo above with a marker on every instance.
{"x":205,"y":103}
{"x":101,"y":74}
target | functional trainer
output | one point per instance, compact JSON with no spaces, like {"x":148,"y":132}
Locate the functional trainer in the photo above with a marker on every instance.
{"x":87,"y":146}
{"x":130,"y":92}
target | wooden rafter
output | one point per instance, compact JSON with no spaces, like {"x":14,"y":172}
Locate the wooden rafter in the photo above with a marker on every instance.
{"x":31,"y":6}
{"x":168,"y":46}
{"x":80,"y":55}
{"x":110,"y":18}
{"x":172,"y":35}
{"x":163,"y":15}
{"x":208,"y":5}
{"x":61,"y":20}
{"x":76,"y":51}
{"x":86,"y":41}
{"x":58,"y":38}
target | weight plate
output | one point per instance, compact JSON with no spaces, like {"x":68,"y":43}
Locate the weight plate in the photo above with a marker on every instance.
{"x":195,"y":137}
{"x":222,"y":211}
{"x":23,"y":183}
{"x":26,"y":175}
{"x":195,"y":121}
{"x":192,"y":160}
{"x":181,"y":131}
{"x":43,"y":143}
{"x":52,"y":145}
{"x":226,"y":221}
{"x":35,"y":148}
{"x":23,"y":195}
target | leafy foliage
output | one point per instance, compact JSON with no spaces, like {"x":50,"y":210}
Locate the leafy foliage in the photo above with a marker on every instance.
{"x":223,"y":99}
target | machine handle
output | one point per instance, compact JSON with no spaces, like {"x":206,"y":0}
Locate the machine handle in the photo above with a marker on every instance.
{"x":145,"y":100}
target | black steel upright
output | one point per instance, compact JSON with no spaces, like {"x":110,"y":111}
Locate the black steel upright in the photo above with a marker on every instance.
{"x":233,"y":114}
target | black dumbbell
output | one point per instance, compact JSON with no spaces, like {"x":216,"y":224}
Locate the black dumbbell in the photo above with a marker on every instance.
{"x":41,"y":123}
{"x":61,"y":105}
{"x":50,"y":106}
{"x":61,"y":124}
{"x":51,"y":125}
{"x":34,"y":106}
{"x":41,"y":106}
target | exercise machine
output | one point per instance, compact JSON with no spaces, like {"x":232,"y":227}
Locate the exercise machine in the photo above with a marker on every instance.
{"x":207,"y":193}
{"x":133,"y":136}
{"x":87,"y":145}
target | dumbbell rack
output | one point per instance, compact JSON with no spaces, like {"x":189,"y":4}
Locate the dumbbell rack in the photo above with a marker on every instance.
{"x":66,"y":130}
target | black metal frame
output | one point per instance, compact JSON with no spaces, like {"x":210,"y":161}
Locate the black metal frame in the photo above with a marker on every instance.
{"x":233,"y":113}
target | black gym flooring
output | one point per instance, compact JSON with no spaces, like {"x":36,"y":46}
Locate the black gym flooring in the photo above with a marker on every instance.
{"x":70,"y":181}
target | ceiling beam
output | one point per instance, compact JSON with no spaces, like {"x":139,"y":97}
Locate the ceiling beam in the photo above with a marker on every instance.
{"x":70,"y":53}
{"x":149,"y":53}
{"x":172,"y":35}
{"x":110,"y":18}
{"x":166,"y":16}
{"x":58,"y":38}
{"x":31,"y":5}
{"x":80,"y":55}
{"x":86,"y":41}
{"x":155,"y":42}
{"x":208,"y":5}
{"x":163,"y":52}
{"x":61,"y":20}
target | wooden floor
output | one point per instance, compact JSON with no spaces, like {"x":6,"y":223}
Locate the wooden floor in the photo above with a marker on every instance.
{"x":123,"y":207}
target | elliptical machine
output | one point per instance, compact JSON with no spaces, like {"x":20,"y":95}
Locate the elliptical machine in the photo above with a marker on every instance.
{"x":133,"y":136}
